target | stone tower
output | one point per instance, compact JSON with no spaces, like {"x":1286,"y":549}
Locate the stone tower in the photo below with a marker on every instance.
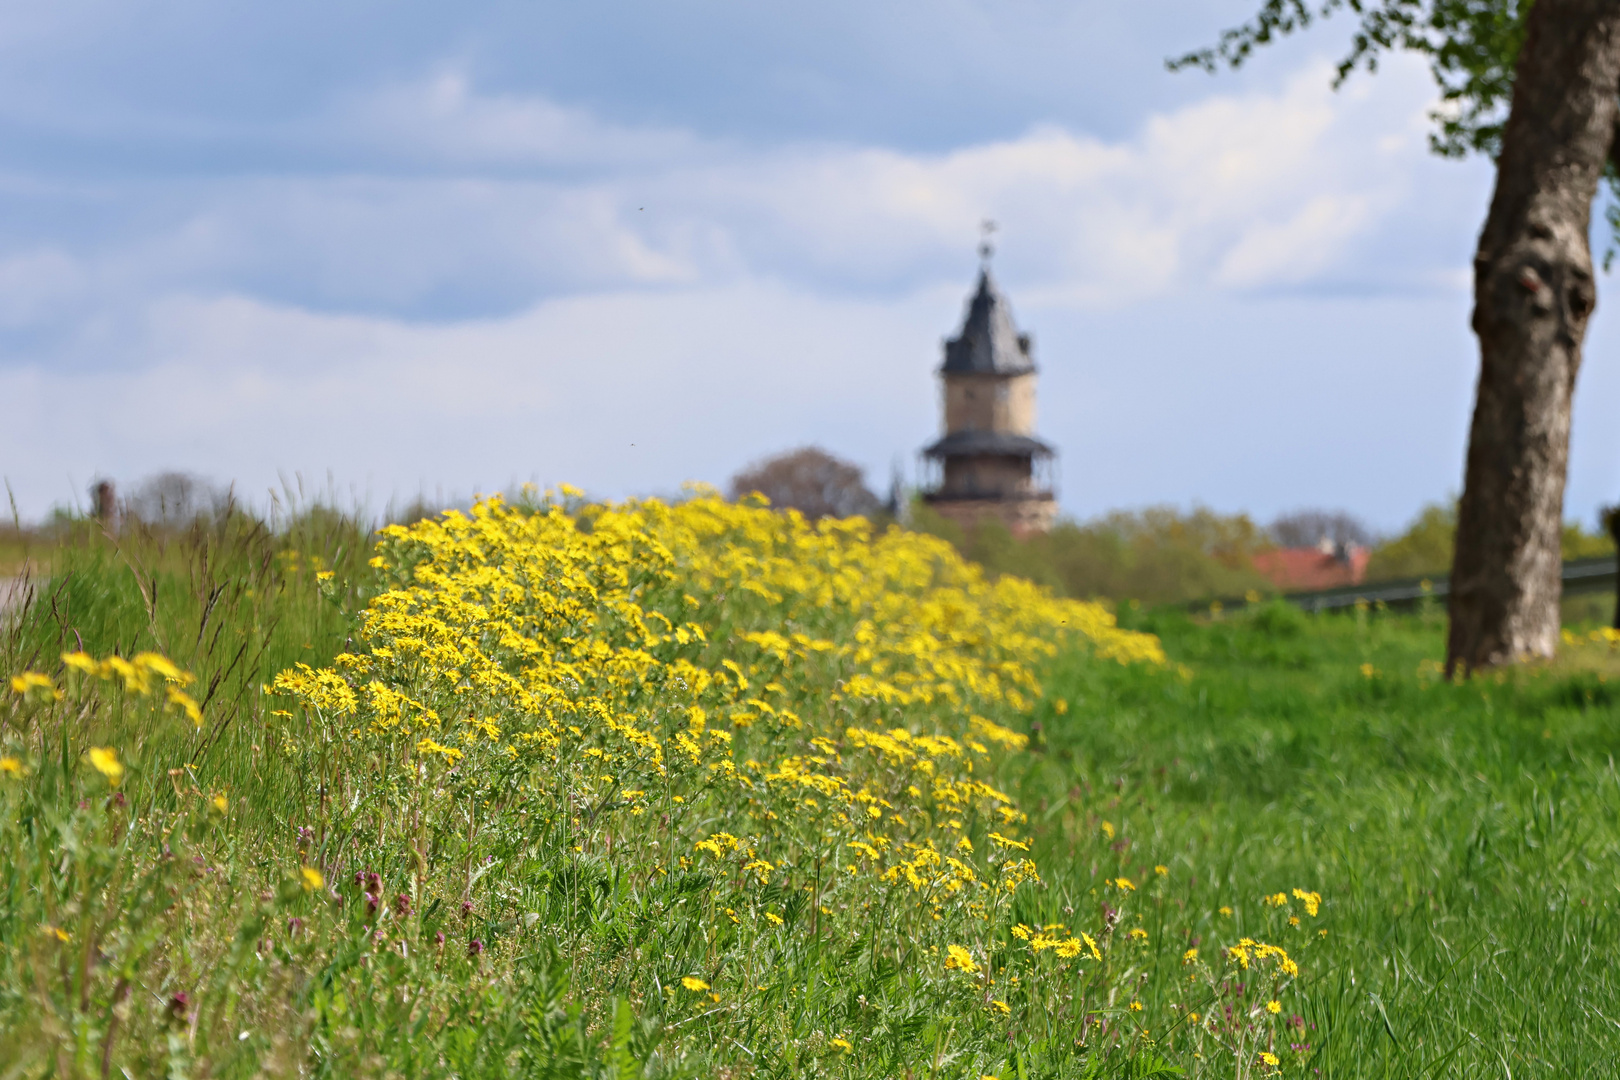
{"x":989,"y":462}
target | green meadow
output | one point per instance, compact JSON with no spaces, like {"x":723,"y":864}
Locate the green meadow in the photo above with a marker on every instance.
{"x":1464,"y":841}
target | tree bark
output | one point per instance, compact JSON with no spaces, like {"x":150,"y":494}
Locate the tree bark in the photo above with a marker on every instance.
{"x":1533,"y":296}
{"x":1611,"y":521}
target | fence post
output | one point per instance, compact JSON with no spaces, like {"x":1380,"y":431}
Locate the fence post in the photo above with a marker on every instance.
{"x":105,"y":498}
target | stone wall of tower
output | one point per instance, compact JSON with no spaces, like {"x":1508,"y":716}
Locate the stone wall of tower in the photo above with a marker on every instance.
{"x":1022,"y":517}
{"x":1003,"y":403}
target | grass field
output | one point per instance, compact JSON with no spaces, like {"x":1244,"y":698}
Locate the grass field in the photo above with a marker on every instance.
{"x":1286,"y":848}
{"x":1465,"y":837}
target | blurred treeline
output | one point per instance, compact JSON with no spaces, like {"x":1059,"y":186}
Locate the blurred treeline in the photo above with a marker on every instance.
{"x":1424,"y":549}
{"x":1165,"y":555}
{"x":1157,"y":555}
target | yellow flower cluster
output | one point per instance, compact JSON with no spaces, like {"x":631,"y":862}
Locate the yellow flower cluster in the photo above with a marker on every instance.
{"x":143,"y":675}
{"x":1606,"y":635}
{"x":1248,"y":949}
{"x":1054,"y":937}
{"x":821,"y":691}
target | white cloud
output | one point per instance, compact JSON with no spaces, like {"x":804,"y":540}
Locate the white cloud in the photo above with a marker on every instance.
{"x":444,"y":122}
{"x":623,"y":392}
{"x":1296,"y":249}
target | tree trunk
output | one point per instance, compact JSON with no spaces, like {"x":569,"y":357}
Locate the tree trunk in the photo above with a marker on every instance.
{"x":1533,"y":295}
{"x":1611,"y":521}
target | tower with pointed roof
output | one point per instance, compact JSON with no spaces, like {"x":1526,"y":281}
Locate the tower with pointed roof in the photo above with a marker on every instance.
{"x":988,"y":462}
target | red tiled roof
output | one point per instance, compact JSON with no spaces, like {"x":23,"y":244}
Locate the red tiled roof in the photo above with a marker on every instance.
{"x":1302,"y":569}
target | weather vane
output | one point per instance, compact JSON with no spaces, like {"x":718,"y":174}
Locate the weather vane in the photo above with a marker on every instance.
{"x":987,"y":228}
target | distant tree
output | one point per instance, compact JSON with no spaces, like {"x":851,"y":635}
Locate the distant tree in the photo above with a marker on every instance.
{"x":1156,"y":555}
{"x":808,"y":480}
{"x":1306,"y":528}
{"x":1425,"y":548}
{"x":176,"y":498}
{"x":1536,"y":85}
{"x":1422,"y":550}
{"x":417,"y":510}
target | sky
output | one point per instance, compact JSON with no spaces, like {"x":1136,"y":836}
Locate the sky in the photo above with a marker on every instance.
{"x":383,"y":250}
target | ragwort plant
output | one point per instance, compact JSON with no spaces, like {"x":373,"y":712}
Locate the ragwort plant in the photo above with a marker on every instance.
{"x":634,"y":789}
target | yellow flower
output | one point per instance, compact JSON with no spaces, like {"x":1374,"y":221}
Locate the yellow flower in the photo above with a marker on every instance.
{"x":1273,"y":1007}
{"x":1313,"y":901}
{"x":1001,"y":1007}
{"x":31,"y":680}
{"x":221,"y":803}
{"x":11,"y":766}
{"x":1161,"y":870}
{"x":960,"y":959}
{"x":1277,"y":900}
{"x":1193,"y":1017}
{"x":1269,"y":1058}
{"x":58,"y":933}
{"x":1125,"y":883}
{"x":161,"y":665}
{"x":841,"y":1045}
{"x":186,"y":704}
{"x":105,"y":760}
{"x":1092,"y":945}
{"x":774,"y":917}
{"x":1189,"y":956}
{"x":81,"y":661}
{"x":313,"y":878}
{"x":694,"y":985}
{"x":1138,"y":934}
{"x":450,"y":754}
{"x":1226,"y":911}
{"x":1136,"y":1006}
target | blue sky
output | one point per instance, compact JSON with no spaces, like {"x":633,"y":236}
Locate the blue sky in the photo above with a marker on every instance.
{"x":405,"y":247}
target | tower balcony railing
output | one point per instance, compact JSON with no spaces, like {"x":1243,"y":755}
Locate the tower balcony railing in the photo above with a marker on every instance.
{"x":1032,"y":493}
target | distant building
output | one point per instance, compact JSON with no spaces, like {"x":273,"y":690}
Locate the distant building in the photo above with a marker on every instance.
{"x":1303,"y":569}
{"x":989,"y":463}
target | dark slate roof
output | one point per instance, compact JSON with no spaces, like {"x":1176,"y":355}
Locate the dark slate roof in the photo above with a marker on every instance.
{"x":987,"y":443}
{"x":989,"y":343}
